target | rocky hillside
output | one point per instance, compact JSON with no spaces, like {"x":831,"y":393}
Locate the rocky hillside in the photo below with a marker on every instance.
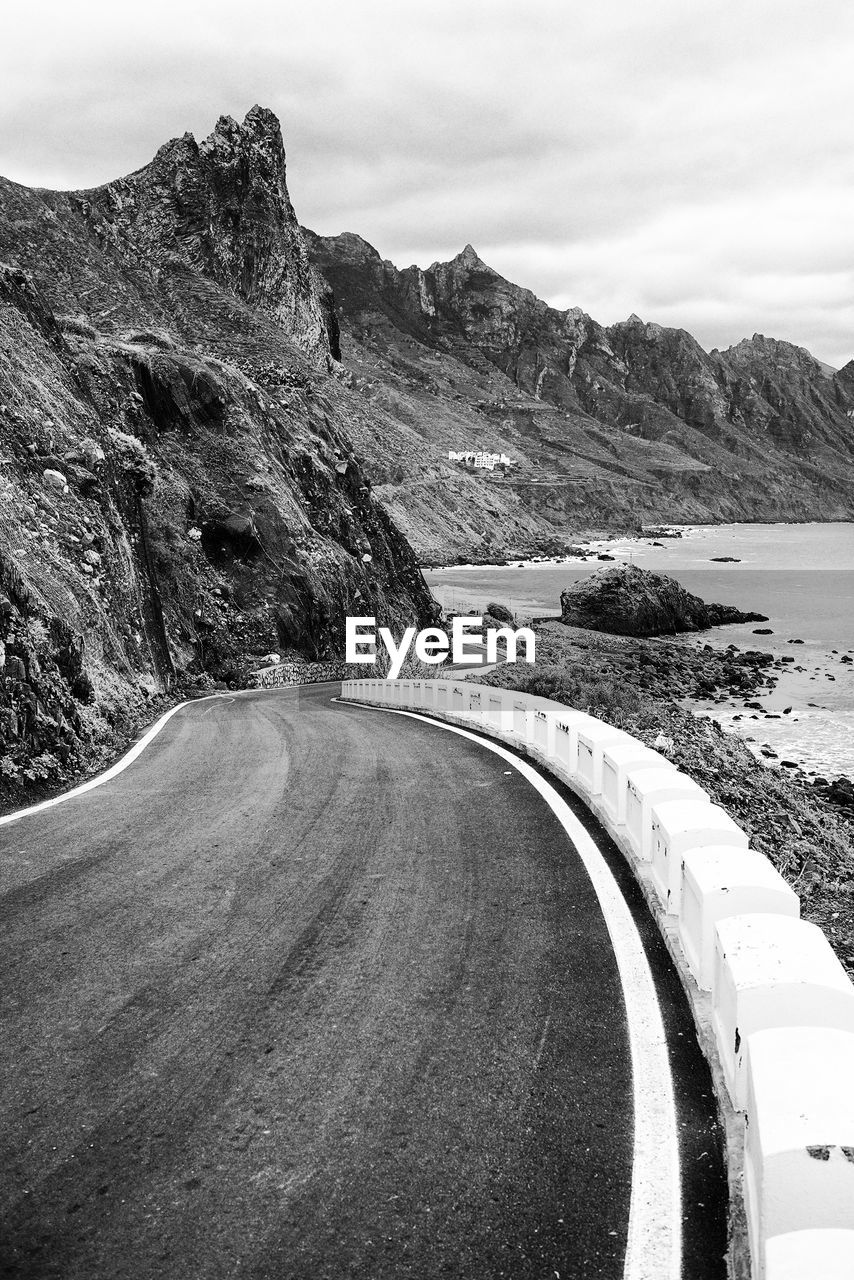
{"x":614,"y":426}
{"x":179,"y":490}
{"x":206,"y":457}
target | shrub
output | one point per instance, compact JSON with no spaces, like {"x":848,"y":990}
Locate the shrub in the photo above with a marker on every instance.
{"x":149,"y":338}
{"x":77,"y":324}
{"x":132,"y":457}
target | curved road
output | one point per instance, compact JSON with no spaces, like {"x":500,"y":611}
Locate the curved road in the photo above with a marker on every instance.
{"x":310,"y":991}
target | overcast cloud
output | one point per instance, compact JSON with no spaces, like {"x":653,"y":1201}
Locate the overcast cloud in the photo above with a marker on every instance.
{"x":686,"y":160}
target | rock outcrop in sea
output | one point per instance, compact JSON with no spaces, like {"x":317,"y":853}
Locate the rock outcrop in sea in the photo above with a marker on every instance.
{"x":628,"y":601}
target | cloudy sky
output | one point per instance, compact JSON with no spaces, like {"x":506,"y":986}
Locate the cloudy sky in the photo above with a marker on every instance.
{"x":686,"y":160}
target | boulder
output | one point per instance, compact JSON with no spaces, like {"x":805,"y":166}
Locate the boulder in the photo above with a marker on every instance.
{"x":500,"y":612}
{"x":841,"y":792}
{"x":629,"y":601}
{"x":55,"y":479}
{"x":231,"y":530}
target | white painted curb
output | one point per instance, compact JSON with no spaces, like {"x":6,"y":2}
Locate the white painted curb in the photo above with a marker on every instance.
{"x":113,"y":772}
{"x":731,"y":924}
{"x":773,"y":971}
{"x":813,"y":1254}
{"x":679,"y":825}
{"x":720,"y":881}
{"x":619,"y":760}
{"x":646,"y":788}
{"x":799,"y":1158}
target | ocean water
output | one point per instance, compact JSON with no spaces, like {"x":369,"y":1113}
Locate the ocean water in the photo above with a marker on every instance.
{"x":801,"y":576}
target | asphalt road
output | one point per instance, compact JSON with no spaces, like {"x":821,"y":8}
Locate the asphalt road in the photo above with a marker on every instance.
{"x":314,"y":991}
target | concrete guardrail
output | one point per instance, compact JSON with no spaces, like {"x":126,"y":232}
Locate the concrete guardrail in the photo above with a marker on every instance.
{"x":680,"y":825}
{"x":773,"y":971}
{"x":720,"y":881}
{"x":774,"y":1006}
{"x":823,"y":1253}
{"x":799,"y":1155}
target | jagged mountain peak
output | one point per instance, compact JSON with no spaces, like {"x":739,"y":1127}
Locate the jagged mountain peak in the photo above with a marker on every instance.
{"x":778,"y":353}
{"x":175,"y":152}
{"x":649,"y":328}
{"x":215,"y":213}
{"x":470,"y":257}
{"x":348,"y":245}
{"x":260,"y":130}
{"x":766,"y":346}
{"x":180,"y":492}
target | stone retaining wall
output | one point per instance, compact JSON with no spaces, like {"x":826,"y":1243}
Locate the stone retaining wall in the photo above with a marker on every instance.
{"x":291,"y":673}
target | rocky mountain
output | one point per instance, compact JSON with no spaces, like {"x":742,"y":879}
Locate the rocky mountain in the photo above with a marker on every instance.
{"x":610,"y":426}
{"x":179,"y":489}
{"x":220,"y":434}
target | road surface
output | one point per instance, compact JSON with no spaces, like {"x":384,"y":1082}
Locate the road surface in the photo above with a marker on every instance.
{"x":310,"y":990}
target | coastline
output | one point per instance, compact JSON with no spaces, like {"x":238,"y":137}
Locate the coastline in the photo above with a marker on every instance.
{"x":787,"y":571}
{"x":587,"y":546}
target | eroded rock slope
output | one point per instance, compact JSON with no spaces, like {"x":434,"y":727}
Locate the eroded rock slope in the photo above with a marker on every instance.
{"x":179,"y":492}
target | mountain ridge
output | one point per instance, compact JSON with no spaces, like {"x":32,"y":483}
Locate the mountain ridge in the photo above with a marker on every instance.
{"x":221,"y":434}
{"x":645,"y":427}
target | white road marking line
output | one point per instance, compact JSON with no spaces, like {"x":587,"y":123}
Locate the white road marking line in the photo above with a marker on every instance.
{"x":654,"y":1244}
{"x":114,"y":770}
{"x":542,"y":1043}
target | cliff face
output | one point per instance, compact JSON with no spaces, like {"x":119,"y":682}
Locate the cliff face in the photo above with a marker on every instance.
{"x":610,"y":425}
{"x":179,"y":491}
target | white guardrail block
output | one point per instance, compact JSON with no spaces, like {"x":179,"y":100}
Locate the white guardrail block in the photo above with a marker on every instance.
{"x":799,"y":1152}
{"x":820,"y":1254}
{"x":498,"y":710}
{"x":619,"y":760}
{"x":521,"y":712}
{"x":593,"y":737}
{"x":678,"y":825}
{"x":564,"y":753}
{"x":474,"y":698}
{"x":720,"y":881}
{"x":647,"y":787}
{"x":772,"y":971}
{"x":541,"y":727}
